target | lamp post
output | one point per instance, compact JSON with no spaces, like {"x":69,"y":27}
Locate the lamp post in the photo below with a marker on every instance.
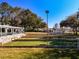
{"x":77,"y":20}
{"x":78,"y":14}
{"x":47,"y":12}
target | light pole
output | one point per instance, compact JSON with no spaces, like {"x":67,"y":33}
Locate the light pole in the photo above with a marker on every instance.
{"x":78,"y":14}
{"x":47,"y":12}
{"x":77,"y":20}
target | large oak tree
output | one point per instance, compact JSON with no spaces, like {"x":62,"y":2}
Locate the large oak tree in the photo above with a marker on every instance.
{"x":16,"y":16}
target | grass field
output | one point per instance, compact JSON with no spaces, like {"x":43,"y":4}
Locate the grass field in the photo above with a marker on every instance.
{"x":28,"y":53}
{"x":18,"y":53}
{"x":28,"y":43}
{"x":31,"y":53}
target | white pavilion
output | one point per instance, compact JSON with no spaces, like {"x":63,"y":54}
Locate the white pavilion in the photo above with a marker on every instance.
{"x":9,"y":30}
{"x":9,"y":33}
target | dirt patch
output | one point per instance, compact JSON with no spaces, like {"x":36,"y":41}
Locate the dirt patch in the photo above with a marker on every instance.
{"x":35,"y":34}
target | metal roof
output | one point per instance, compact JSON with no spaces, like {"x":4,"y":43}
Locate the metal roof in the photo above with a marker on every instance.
{"x":8,"y":26}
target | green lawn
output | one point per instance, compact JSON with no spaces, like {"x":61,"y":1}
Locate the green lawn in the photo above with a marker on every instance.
{"x":34,"y":53}
{"x":19,"y":53}
{"x":28,"y":53}
{"x":26,"y":43}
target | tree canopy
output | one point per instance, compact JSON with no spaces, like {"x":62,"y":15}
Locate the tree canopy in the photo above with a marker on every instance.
{"x":71,"y":21}
{"x":16,"y":16}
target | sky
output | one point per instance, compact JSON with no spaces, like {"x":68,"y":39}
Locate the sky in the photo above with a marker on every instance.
{"x":58,"y":9}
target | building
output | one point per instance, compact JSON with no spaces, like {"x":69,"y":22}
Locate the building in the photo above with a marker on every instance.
{"x":9,"y":33}
{"x":9,"y":30}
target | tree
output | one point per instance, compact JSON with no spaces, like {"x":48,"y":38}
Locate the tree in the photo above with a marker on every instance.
{"x":5,"y":12}
{"x":72,"y":22}
{"x":16,"y":16}
{"x":31,"y":20}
